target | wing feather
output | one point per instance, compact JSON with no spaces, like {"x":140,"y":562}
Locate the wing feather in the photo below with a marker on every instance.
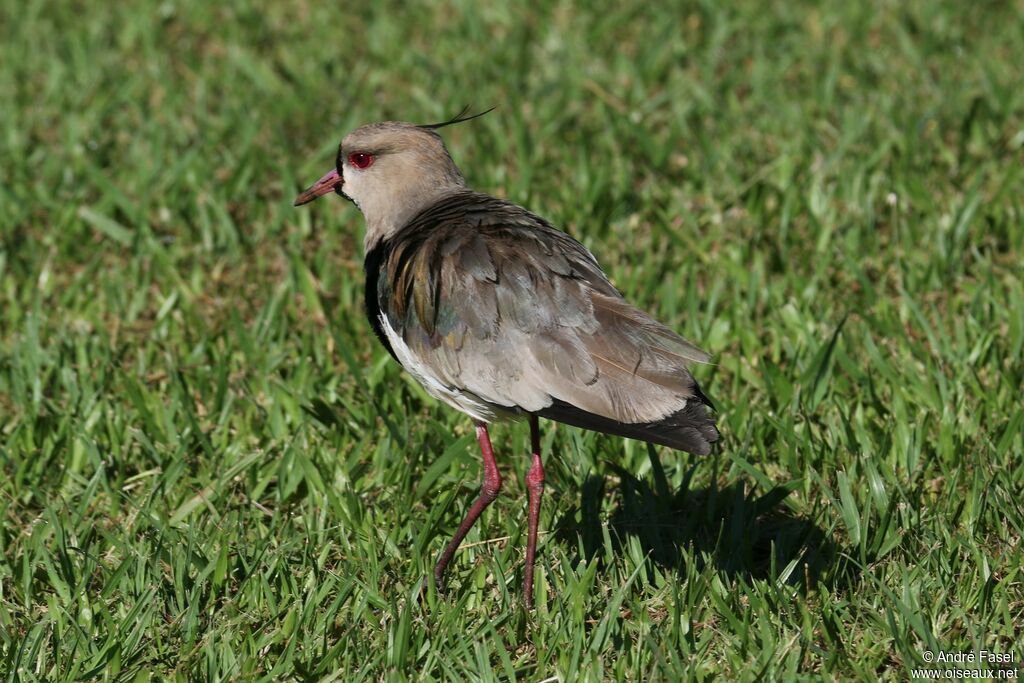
{"x":503,"y":310}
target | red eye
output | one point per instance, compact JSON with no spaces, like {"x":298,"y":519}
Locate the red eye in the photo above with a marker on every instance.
{"x":360,"y":159}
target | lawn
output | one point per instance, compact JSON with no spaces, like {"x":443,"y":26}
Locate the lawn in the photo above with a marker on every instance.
{"x":210,"y":470}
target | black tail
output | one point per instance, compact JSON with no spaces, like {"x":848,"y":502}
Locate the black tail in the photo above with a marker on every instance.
{"x":691,"y":429}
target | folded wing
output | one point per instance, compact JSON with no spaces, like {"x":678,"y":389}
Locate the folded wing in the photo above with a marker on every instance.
{"x":498,"y":312}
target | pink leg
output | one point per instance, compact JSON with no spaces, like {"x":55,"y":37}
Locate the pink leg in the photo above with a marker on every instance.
{"x":488,"y":492}
{"x":535,"y":489}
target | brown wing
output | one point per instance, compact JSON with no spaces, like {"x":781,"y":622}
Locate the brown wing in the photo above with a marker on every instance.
{"x":500,"y":308}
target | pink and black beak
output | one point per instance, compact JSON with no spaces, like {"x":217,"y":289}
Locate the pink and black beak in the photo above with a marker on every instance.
{"x":331,"y":181}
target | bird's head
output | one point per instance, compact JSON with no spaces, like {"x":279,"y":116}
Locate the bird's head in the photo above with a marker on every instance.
{"x":391,"y":171}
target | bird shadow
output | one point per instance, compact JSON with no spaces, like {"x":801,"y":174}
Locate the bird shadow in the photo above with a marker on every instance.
{"x":746,"y":535}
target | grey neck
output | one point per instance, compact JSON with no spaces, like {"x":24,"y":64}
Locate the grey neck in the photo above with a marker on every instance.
{"x":388,"y":215}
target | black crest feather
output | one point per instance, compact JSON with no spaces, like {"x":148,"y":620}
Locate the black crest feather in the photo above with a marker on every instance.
{"x":458,"y":118}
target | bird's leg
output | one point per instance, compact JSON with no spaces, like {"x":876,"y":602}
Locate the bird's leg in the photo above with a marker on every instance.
{"x":535,"y":490}
{"x":488,"y":492}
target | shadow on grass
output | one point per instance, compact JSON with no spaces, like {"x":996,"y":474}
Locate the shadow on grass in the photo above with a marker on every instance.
{"x":747,"y":536}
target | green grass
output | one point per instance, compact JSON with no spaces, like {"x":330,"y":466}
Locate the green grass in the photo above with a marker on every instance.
{"x":211,"y":471}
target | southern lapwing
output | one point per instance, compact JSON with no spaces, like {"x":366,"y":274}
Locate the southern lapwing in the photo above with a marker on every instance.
{"x":501,"y":315}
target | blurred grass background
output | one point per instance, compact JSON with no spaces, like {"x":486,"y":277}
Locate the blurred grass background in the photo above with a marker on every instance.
{"x":211,"y":471}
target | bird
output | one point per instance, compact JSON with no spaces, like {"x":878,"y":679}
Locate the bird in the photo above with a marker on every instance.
{"x":502,"y":316}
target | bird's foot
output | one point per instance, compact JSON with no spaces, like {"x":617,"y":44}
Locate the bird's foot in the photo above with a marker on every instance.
{"x":439,"y":583}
